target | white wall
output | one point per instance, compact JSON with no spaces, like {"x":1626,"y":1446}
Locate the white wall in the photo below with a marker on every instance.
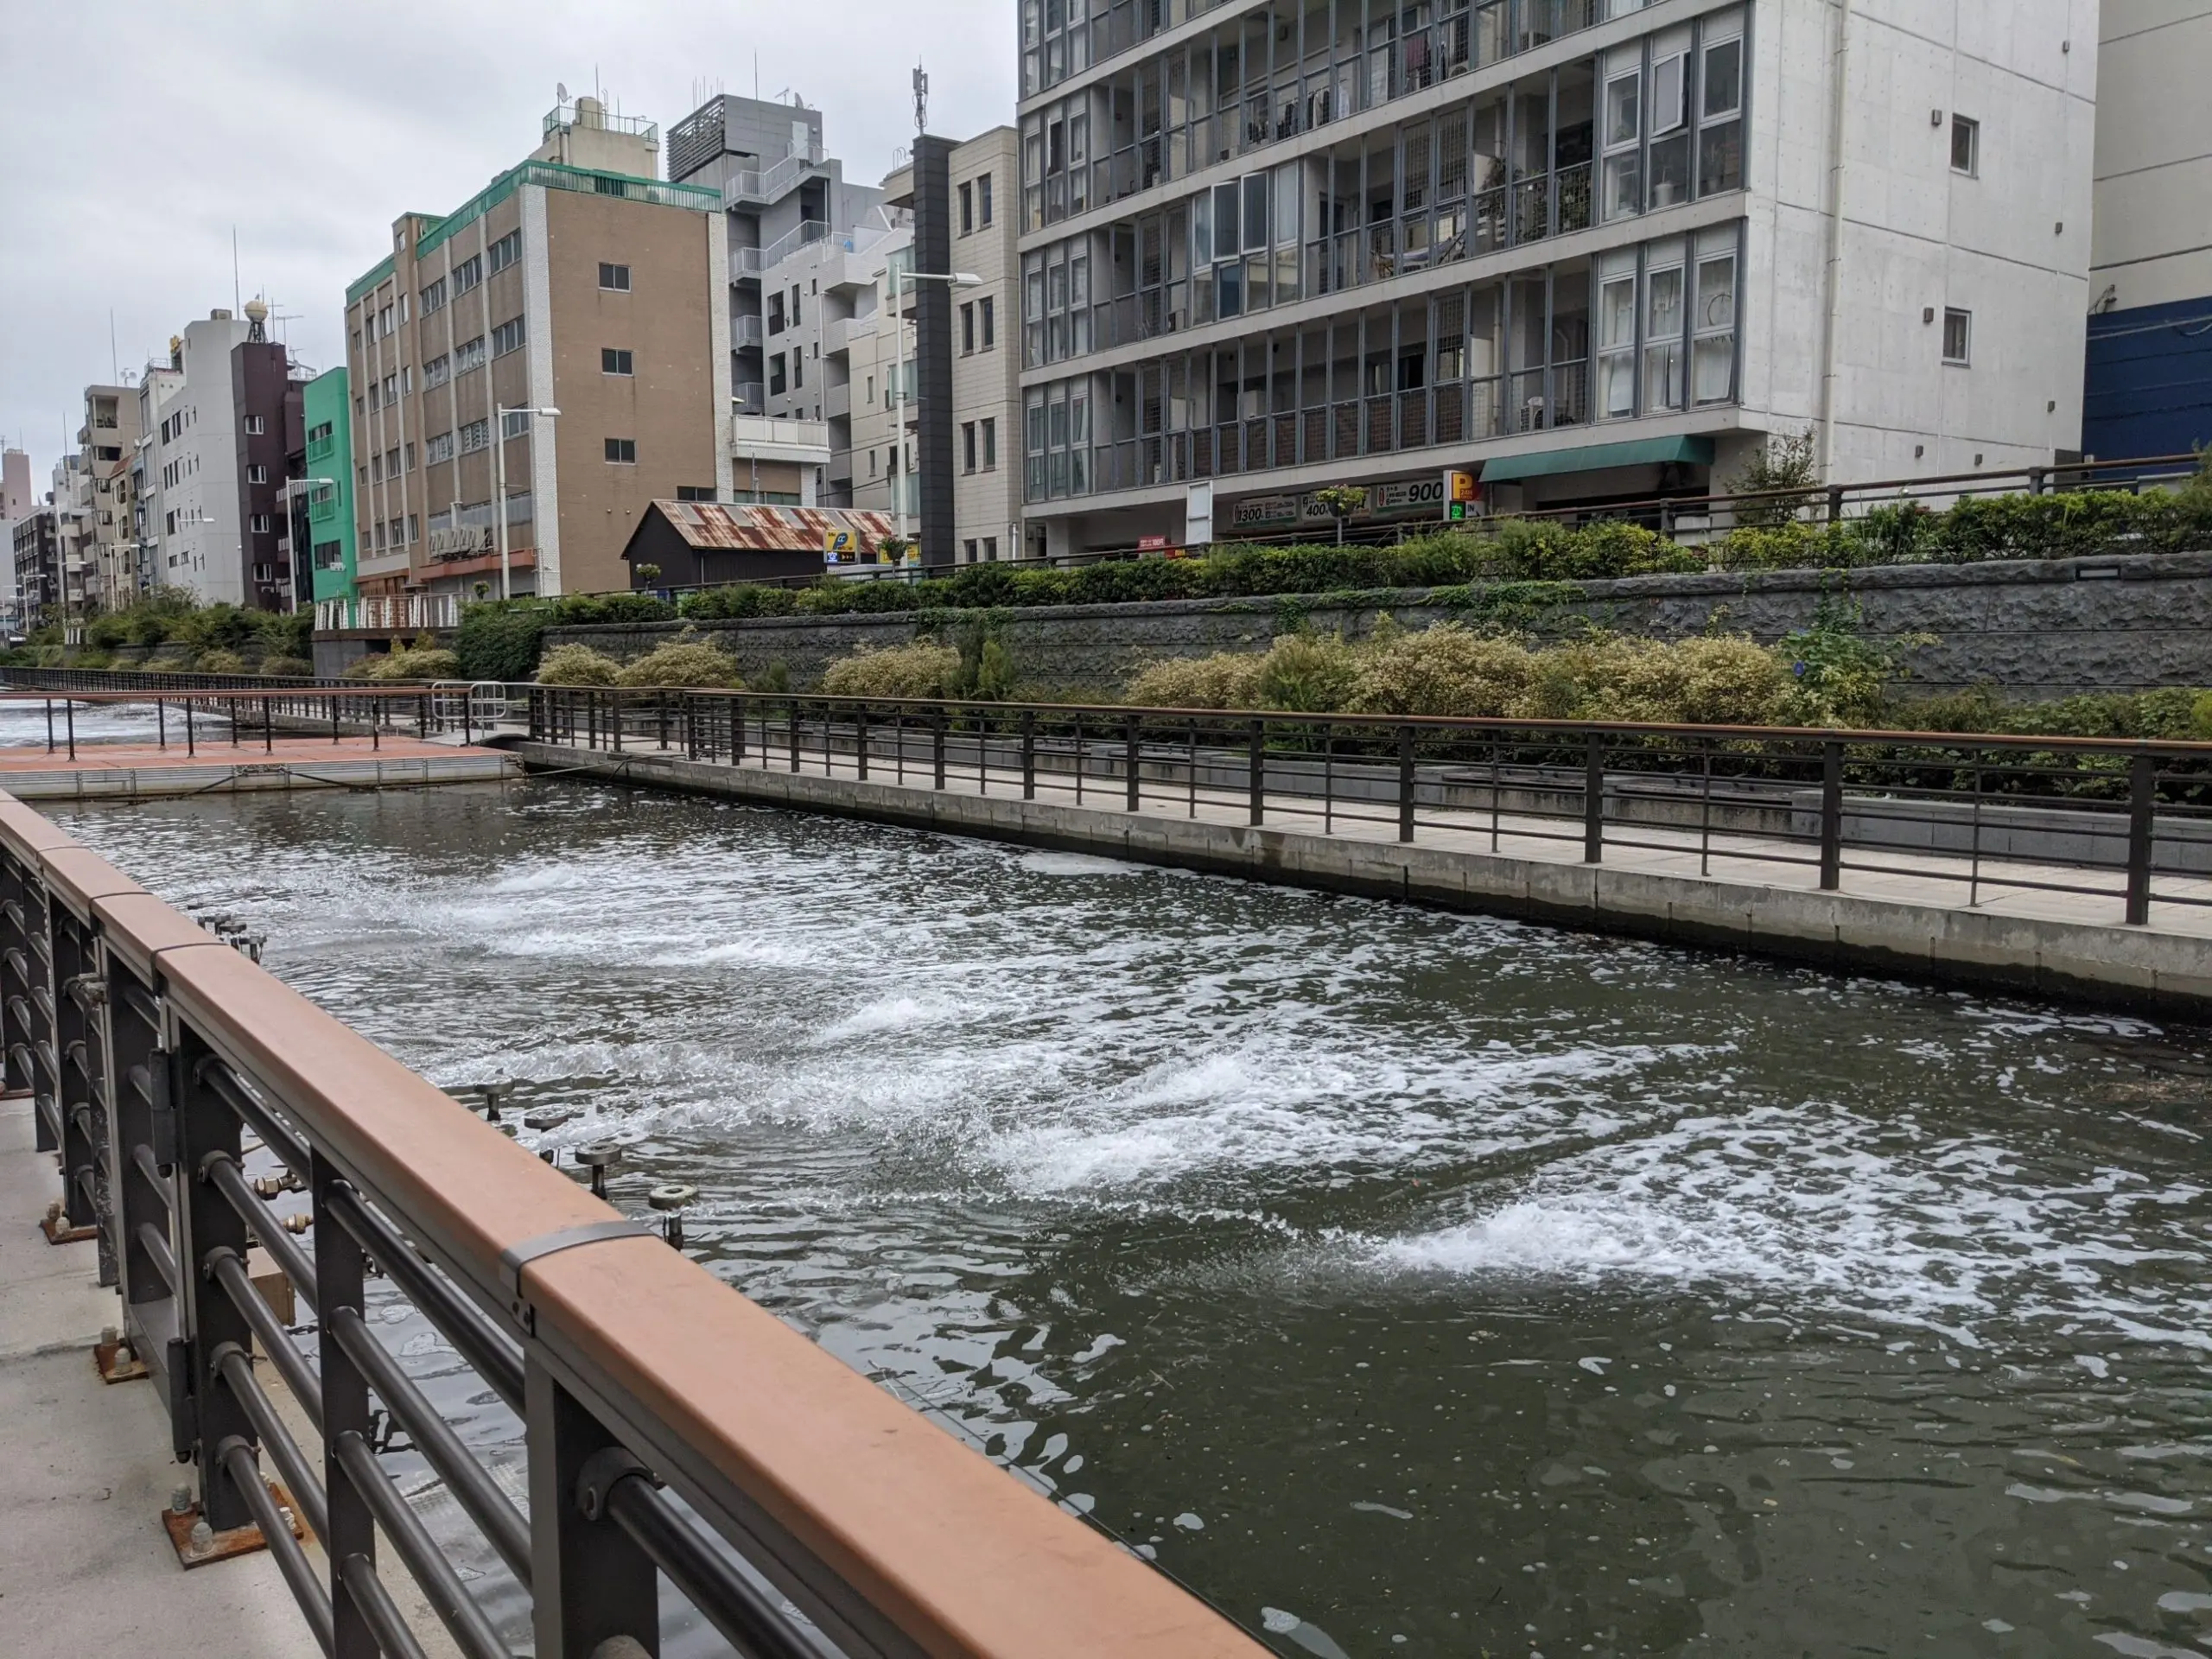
{"x":204,"y":556}
{"x":2153,"y":237}
{"x":2009,"y":244}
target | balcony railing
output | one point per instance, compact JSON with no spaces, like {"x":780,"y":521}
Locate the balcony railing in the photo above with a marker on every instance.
{"x":1496,"y":406}
{"x":750,"y":398}
{"x":745,"y":331}
{"x":1463,"y":38}
{"x":773,"y":182}
{"x":388,"y":612}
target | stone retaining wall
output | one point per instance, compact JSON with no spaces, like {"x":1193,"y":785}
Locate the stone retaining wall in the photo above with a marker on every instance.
{"x":2029,"y":630}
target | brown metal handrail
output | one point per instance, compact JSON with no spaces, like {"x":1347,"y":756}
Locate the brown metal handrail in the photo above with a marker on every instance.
{"x":629,"y":1365}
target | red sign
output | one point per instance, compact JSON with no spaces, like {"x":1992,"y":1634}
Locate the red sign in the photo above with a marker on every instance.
{"x":1151,"y":543}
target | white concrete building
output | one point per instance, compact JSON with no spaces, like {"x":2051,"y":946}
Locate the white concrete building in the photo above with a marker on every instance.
{"x":192,"y":506}
{"x":1593,"y":249}
{"x":2149,"y":370}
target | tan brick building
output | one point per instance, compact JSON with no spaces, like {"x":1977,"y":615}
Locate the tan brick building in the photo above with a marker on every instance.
{"x":576,"y":281}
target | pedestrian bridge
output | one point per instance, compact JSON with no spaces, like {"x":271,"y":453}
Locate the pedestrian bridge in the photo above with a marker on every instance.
{"x":231,"y":1180}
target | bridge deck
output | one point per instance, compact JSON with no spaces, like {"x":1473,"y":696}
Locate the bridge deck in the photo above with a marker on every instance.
{"x":87,"y":1569}
{"x":2002,"y":922}
{"x":134,"y":771}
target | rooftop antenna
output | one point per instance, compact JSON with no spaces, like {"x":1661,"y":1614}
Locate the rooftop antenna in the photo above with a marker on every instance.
{"x":921,"y":99}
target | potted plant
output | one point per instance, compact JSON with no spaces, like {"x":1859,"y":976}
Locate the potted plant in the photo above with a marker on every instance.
{"x":1340,"y":501}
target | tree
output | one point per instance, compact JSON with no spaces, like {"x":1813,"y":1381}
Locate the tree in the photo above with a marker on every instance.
{"x":1340,"y":501}
{"x":1782,"y":471}
{"x":647,"y":574}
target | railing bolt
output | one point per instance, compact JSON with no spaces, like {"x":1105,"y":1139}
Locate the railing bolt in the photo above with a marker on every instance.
{"x":180,"y":1500}
{"x":598,"y":1158}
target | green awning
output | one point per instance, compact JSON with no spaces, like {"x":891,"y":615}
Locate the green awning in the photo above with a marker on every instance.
{"x":1641,"y":452}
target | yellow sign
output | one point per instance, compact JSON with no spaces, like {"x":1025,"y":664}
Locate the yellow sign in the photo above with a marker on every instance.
{"x":840,"y":546}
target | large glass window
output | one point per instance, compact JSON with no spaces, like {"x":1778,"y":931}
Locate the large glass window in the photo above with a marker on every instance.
{"x":1624,"y":183}
{"x":1713,"y":346}
{"x":1720,"y":118}
{"x":1663,"y":332}
{"x":1617,"y":338}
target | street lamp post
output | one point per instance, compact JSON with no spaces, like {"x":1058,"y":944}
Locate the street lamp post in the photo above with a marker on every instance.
{"x":500,"y":482}
{"x":958,"y":279}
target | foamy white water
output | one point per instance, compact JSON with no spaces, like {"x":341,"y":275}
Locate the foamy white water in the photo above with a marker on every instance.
{"x":1458,"y":1277}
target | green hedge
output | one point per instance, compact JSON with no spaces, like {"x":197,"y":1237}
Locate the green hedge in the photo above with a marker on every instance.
{"x":1516,"y":563}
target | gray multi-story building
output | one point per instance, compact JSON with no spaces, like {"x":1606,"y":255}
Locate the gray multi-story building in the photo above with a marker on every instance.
{"x":37,"y":549}
{"x":100,"y":534}
{"x":781,"y":191}
{"x":1593,"y":250}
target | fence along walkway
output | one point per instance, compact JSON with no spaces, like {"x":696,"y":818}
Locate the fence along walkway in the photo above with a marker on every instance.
{"x":184,"y":1089}
{"x":2106,"y":836}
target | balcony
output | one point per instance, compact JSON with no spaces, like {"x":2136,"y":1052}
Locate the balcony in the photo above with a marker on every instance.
{"x":774,"y":183}
{"x":760,"y":437}
{"x":751,"y":398}
{"x":745,"y":331}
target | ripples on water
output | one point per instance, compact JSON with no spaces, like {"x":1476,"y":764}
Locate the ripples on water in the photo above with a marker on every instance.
{"x":1405,"y":1282}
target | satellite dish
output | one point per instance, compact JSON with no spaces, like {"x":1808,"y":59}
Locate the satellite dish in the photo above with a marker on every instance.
{"x":560,"y":92}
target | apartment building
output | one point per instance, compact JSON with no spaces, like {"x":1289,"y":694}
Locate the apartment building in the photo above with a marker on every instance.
{"x":1590,"y":250}
{"x":327,"y":485}
{"x":101,"y":531}
{"x":37,"y":548}
{"x":565,"y":329}
{"x":208,"y":476}
{"x":2150,"y":349}
{"x":843,"y":353}
{"x":781,"y":192}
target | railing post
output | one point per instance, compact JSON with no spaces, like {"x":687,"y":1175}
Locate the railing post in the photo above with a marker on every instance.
{"x":1255,"y":770}
{"x":614,"y":720}
{"x":1835,"y":504}
{"x":589,"y":1582}
{"x":937,"y":745}
{"x":737,"y":734}
{"x":204,"y":1414}
{"x":2142,"y":803}
{"x":691,"y":725}
{"x":1029,"y":754}
{"x":1405,"y":783}
{"x":68,"y":1038}
{"x":660,"y":712}
{"x":139,"y":1117}
{"x":338,"y":1272}
{"x":1594,"y":802}
{"x":791,"y":732}
{"x":860,"y":739}
{"x":1129,"y":749}
{"x":1831,"y":816}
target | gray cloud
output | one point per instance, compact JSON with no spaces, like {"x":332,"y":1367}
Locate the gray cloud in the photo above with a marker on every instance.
{"x":135,"y":135}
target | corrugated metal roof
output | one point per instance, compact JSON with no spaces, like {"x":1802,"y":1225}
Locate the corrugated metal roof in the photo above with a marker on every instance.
{"x":743,"y":527}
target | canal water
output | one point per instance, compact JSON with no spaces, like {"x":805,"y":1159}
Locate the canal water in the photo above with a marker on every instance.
{"x":1404,"y":1283}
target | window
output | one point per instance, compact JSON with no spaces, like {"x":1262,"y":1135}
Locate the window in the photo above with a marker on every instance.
{"x":611,"y":361}
{"x":968,"y":551}
{"x":438,"y":370}
{"x":616,"y":278}
{"x":622,"y":451}
{"x":438,"y":448}
{"x":515,"y":423}
{"x":1720,"y":123}
{"x":798,"y":369}
{"x":966,"y":210}
{"x":260,"y":525}
{"x":433,"y":297}
{"x":504,"y":251}
{"x":695,"y":492}
{"x":776,"y":375}
{"x":990,"y":549}
{"x":406,"y":380}
{"x":1662,"y":334}
{"x":1668,"y":119}
{"x":776,"y":312}
{"x":390,"y":389}
{"x":983,"y":200}
{"x":403,"y":307}
{"x":469,"y":355}
{"x":794,"y":305}
{"x":255,"y":425}
{"x":871,"y":392}
{"x":409,"y":452}
{"x":391,"y":461}
{"x":968,"y":450}
{"x":1712,"y":342}
{"x":477,"y":435}
{"x":1958,"y":336}
{"x":384,"y":323}
{"x":988,"y":307}
{"x":1966,"y":145}
{"x":967,"y":330}
{"x":257,"y":475}
{"x":414,"y":528}
{"x":990,"y":444}
{"x":507,"y":336}
{"x":467,"y":274}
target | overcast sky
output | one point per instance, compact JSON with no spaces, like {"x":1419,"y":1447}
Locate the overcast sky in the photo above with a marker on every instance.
{"x":134,"y":137}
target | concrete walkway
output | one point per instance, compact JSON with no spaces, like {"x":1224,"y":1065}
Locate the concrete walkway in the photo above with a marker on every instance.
{"x":2049,"y":928}
{"x":86,"y":1568}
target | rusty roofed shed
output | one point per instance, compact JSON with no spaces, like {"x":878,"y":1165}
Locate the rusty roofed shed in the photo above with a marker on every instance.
{"x":703,"y":543}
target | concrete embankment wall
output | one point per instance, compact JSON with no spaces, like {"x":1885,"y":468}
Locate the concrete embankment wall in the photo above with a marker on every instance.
{"x":2030,"y":630}
{"x":2112,"y":966}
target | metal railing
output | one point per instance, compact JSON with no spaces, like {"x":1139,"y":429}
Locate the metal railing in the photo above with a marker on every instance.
{"x":194,"y":718}
{"x":2124,"y":823}
{"x":671,"y":1428}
